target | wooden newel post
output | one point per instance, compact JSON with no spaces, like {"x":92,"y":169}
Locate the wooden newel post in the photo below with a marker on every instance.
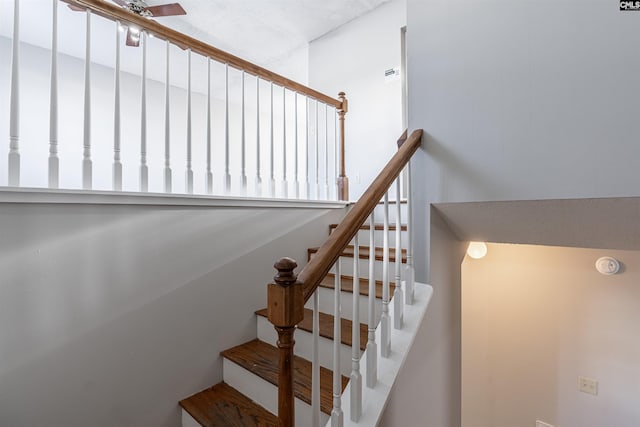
{"x":343,"y":181}
{"x":285,"y":308}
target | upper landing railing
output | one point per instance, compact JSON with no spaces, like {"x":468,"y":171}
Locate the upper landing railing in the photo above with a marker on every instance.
{"x":247,"y":131}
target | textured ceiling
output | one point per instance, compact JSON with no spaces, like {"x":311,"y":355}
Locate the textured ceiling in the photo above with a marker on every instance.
{"x":264,"y":31}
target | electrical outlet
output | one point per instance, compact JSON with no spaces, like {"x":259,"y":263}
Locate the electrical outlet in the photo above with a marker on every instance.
{"x":542,"y":424}
{"x":588,"y":385}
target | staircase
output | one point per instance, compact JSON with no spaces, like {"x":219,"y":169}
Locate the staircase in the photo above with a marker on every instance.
{"x":248,"y":395}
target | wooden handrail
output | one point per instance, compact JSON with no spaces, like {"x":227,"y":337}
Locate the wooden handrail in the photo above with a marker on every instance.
{"x":114,"y":12}
{"x":318,"y":267}
{"x":287,"y":295}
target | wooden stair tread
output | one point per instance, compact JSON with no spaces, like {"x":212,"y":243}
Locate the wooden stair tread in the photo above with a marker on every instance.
{"x":326,"y":327}
{"x":347,"y":285}
{"x":378,"y":227}
{"x":364,"y":253}
{"x":224,"y":406}
{"x":261,"y":359}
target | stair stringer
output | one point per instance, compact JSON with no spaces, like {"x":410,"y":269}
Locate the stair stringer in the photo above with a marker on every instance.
{"x":374,"y":400}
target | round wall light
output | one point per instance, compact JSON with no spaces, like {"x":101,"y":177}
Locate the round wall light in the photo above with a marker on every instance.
{"x":607,"y":265}
{"x":477,"y":250}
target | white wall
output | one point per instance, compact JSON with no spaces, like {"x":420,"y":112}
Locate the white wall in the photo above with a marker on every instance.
{"x":534,"y":318}
{"x":111,"y":314}
{"x":353,"y":59}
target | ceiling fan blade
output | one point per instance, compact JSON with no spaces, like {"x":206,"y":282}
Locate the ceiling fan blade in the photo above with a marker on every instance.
{"x":75,"y":8}
{"x":166,"y":10}
{"x":132,"y":39}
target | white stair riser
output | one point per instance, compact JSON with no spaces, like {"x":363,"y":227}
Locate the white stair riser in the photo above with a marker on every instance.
{"x":264,"y":393}
{"x":188,"y":421}
{"x":346,"y":264}
{"x":304,"y":346}
{"x":326,"y":305}
{"x":363,"y":235}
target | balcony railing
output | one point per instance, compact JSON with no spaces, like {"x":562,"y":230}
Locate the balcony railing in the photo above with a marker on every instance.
{"x":170,"y":115}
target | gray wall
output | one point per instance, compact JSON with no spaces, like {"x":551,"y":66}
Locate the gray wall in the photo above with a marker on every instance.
{"x":111,"y":314}
{"x":519,"y":100}
{"x":427,"y":390}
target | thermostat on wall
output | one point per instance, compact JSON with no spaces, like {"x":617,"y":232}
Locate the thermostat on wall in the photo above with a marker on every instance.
{"x":607,"y":265}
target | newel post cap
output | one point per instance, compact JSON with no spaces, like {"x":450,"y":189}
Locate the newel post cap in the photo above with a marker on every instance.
{"x":344,"y":107}
{"x":285,"y":267}
{"x":285,"y":299}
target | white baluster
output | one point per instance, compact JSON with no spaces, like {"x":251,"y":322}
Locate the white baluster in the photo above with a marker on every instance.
{"x":317,"y":153}
{"x":337,"y":417}
{"x":307,"y":151}
{"x":14,"y":113}
{"x":398,"y":298}
{"x":209,"y":172}
{"x":258,"y":166}
{"x":243,"y":142}
{"x":356,"y":377}
{"x":144,"y":169}
{"x":385,"y":321}
{"x":272,"y":180}
{"x":227,"y":175}
{"x":315,"y":365}
{"x":189,"y":172}
{"x":167,"y":129}
{"x":337,"y":153}
{"x":409,"y":272}
{"x":53,"y":104}
{"x":117,"y":164}
{"x":86,"y":154}
{"x":326,"y":151}
{"x":372,"y":346}
{"x":285,"y":183}
{"x":295,"y":170}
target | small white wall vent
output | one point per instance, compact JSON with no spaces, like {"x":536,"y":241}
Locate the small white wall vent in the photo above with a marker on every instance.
{"x":607,"y":265}
{"x":392,"y":74}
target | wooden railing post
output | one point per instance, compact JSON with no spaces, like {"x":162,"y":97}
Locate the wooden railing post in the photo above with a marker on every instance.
{"x":285,"y":308}
{"x":343,"y":181}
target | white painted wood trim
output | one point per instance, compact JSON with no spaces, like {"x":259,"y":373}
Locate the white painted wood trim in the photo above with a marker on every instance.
{"x":285,"y":182}
{"x":14,"y":102}
{"x":117,"y":164}
{"x":243,"y":139}
{"x":374,"y":400}
{"x":167,"y":125}
{"x":144,"y":169}
{"x":315,"y":367}
{"x":87,"y":175}
{"x":209,"y":177}
{"x":410,"y":274}
{"x":189,"y":172}
{"x":372,"y":346}
{"x":55,"y":196}
{"x":227,"y":175}
{"x":398,"y":298}
{"x":54,"y":162}
{"x":356,"y":376}
{"x":337,"y":416}
{"x":258,"y":189}
{"x":385,"y":321}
